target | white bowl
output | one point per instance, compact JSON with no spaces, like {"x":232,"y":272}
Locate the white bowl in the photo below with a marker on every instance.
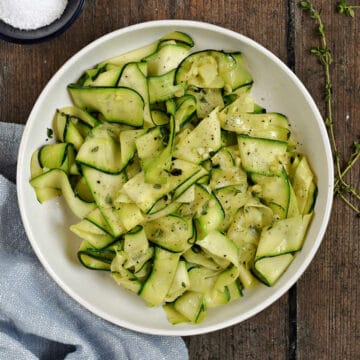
{"x":47,"y":225}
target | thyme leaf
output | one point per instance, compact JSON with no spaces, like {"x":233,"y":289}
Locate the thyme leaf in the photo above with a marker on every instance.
{"x":343,"y":7}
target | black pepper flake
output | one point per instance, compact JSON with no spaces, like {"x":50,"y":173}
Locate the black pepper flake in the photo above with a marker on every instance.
{"x":176,"y":172}
{"x":196,"y":249}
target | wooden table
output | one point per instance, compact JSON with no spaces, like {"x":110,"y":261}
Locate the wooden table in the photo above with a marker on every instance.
{"x":319,"y":318}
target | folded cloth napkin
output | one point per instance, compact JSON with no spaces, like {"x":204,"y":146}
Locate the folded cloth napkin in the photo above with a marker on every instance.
{"x":38,"y":320}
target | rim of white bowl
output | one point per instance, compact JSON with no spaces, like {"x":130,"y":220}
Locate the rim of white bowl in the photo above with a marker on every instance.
{"x":329,"y":201}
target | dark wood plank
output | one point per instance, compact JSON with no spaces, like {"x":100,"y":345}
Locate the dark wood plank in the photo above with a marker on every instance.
{"x":328,"y":319}
{"x":263,"y":337}
{"x":246,"y":17}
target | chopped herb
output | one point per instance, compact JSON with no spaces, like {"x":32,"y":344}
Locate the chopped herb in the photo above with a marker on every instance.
{"x":204,"y":209}
{"x":158,"y":233}
{"x":49,"y":133}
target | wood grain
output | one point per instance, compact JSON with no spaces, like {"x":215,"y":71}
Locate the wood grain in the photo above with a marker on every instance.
{"x":328,"y":294}
{"x":264,"y":336}
{"x":319,"y":318}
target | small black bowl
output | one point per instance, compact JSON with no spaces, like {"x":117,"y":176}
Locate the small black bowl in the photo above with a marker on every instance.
{"x":71,"y":12}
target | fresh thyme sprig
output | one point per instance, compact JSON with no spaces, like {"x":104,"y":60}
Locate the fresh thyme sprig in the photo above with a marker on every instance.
{"x":343,"y":7}
{"x":342,"y":189}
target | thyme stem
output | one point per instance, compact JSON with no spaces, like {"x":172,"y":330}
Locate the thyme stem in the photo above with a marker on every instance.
{"x":350,"y":204}
{"x":324,"y":55}
{"x":353,"y":159}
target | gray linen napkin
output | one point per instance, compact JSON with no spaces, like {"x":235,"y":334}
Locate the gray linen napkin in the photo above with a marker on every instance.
{"x":38,"y":320}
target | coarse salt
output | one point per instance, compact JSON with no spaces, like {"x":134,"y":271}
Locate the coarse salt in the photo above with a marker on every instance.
{"x":31,"y":14}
